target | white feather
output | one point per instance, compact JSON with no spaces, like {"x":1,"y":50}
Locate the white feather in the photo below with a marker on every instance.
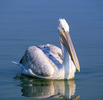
{"x":63,"y":25}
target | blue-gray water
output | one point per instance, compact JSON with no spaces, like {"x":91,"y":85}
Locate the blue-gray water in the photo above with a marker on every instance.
{"x":33,"y":22}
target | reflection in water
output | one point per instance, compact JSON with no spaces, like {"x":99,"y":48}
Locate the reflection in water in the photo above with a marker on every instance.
{"x":39,"y":88}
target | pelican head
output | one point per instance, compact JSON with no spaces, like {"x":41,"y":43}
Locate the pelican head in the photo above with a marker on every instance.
{"x":67,"y":42}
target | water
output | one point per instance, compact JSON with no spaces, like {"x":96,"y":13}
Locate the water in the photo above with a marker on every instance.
{"x":31,"y":22}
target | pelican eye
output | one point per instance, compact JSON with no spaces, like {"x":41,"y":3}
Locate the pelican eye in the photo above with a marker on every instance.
{"x":63,"y":29}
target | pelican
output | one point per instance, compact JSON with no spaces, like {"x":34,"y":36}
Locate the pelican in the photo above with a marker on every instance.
{"x":49,"y":61}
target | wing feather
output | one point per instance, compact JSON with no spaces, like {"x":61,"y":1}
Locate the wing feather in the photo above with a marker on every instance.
{"x":53,"y":50}
{"x":35,"y":59}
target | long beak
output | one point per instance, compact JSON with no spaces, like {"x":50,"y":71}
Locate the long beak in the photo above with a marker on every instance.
{"x":67,"y":42}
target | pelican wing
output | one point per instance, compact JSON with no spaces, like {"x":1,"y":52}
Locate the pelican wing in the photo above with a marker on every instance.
{"x":37,"y":59}
{"x":52,"y":50}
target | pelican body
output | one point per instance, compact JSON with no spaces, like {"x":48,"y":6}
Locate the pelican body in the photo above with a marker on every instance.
{"x":49,"y":61}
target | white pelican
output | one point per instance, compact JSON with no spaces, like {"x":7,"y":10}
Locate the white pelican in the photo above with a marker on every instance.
{"x":50,"y":62}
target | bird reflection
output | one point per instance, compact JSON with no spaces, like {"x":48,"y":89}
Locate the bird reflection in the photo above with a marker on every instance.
{"x":38,"y":88}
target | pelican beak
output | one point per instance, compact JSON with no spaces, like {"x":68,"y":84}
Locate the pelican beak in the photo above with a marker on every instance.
{"x":67,"y":42}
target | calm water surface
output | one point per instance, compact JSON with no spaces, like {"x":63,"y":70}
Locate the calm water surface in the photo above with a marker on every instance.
{"x":33,"y":22}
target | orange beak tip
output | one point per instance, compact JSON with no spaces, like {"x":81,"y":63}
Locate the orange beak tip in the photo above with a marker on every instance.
{"x":78,"y":69}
